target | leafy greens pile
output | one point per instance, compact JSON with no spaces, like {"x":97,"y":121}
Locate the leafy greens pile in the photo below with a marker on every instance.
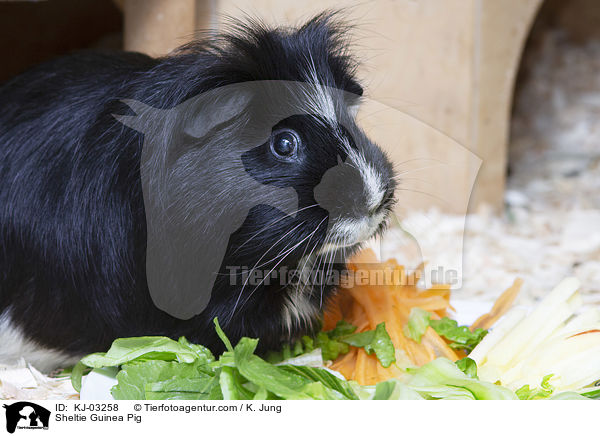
{"x":159,"y":368}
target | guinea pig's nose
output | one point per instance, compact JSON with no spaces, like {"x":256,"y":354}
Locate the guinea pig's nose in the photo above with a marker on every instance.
{"x":387,"y":200}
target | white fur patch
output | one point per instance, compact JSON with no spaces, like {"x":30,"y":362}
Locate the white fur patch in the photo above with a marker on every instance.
{"x":298,"y":309}
{"x":319,"y":99}
{"x":350,"y":232}
{"x":372,"y":179}
{"x":14,"y":346}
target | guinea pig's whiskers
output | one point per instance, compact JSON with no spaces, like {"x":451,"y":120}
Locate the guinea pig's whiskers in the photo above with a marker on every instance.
{"x":344,"y":250}
{"x":425,"y":193}
{"x":322,"y":257}
{"x":415,"y":179}
{"x":272,"y":269}
{"x":307,"y":259}
{"x":332,"y":260}
{"x":308,"y":242}
{"x":313,"y":261}
{"x":257,"y":264}
{"x":273,"y":246}
{"x":284,"y":252}
{"x":328,"y":266}
{"x":399,"y":175}
{"x":319,"y":259}
{"x":267,"y":227}
{"x":404,"y":162}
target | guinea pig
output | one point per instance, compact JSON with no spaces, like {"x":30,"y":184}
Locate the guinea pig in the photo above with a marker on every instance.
{"x":82,"y":229}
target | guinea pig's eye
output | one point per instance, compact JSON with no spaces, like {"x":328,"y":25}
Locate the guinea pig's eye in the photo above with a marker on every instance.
{"x":284,"y":144}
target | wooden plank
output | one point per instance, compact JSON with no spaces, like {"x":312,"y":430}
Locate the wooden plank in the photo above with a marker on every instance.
{"x":501,"y":32}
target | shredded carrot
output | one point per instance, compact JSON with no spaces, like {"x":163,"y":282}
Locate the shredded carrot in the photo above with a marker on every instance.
{"x":366,"y":305}
{"x":501,"y":306}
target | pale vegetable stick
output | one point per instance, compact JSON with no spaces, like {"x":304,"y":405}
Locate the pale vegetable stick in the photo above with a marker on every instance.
{"x":580,"y":324}
{"x":572,"y":372}
{"x":544,"y":316}
{"x":552,"y":354}
{"x":580,"y":370}
{"x":509,"y":376}
{"x":588,"y":320}
{"x":489,"y":373}
{"x":500,"y":330}
{"x":551,"y":357}
{"x":521,"y":340}
{"x":562,"y":291}
{"x":549,"y":328}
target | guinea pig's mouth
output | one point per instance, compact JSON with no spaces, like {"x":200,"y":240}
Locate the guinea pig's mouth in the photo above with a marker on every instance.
{"x":349,"y":232}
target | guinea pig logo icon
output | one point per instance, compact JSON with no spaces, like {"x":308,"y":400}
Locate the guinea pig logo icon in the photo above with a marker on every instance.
{"x":26,"y":415}
{"x":191,"y":171}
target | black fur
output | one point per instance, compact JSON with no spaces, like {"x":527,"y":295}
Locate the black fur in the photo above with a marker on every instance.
{"x":72,"y":220}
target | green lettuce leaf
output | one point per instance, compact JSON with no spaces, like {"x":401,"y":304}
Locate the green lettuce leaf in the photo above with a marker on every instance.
{"x":377,"y":341}
{"x":263,"y":374}
{"x":232,"y":385}
{"x":222,"y":335}
{"x":77,"y":373}
{"x":544,"y":391}
{"x":395,"y":390}
{"x":459,"y":336}
{"x":136,"y":378}
{"x":442,"y":379}
{"x":126,"y":350}
{"x":418,"y":321}
{"x":176,"y":388}
{"x":592,"y":393}
{"x":468,"y":366}
{"x":331,"y":348}
{"x":324,"y":377}
{"x":342,"y":329}
{"x":288,"y":381}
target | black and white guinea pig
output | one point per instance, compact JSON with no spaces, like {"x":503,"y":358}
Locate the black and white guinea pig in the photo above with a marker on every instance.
{"x":73,"y":219}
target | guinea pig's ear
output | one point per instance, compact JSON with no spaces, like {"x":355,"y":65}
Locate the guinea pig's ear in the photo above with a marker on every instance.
{"x":216,"y":107}
{"x":352,"y":96}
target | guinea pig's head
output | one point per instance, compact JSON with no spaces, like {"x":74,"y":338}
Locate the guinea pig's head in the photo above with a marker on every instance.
{"x":309,"y":143}
{"x":275,"y":171}
{"x":343,"y":181}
